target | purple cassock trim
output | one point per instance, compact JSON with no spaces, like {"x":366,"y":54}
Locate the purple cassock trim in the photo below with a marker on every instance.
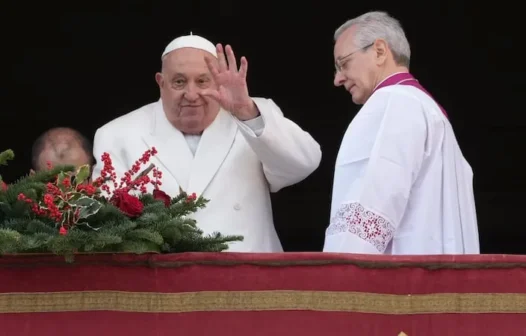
{"x":406,"y":78}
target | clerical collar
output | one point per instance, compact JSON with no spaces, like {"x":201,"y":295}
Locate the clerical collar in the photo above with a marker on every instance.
{"x":405,"y":78}
{"x":387,"y":78}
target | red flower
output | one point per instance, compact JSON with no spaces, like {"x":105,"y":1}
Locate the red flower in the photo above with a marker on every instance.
{"x":3,"y":185}
{"x":191,"y":198}
{"x":162,"y":196}
{"x":129,"y":204}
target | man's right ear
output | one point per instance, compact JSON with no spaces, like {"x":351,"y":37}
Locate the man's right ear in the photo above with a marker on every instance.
{"x":159,"y":79}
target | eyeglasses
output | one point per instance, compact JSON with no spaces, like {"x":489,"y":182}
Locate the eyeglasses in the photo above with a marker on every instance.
{"x":339,"y":66}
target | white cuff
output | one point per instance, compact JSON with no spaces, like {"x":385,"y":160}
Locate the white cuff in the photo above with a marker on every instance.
{"x":257,"y":125}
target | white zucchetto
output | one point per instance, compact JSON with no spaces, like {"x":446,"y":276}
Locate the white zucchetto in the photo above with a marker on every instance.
{"x":190,"y":41}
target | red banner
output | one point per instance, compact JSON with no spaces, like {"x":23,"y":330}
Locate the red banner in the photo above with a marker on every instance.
{"x":262,"y":294}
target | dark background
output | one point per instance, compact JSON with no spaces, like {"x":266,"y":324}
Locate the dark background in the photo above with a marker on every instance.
{"x":82,"y":67}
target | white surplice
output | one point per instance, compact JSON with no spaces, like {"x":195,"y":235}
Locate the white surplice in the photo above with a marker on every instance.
{"x":401,"y":183}
{"x":234,"y":164}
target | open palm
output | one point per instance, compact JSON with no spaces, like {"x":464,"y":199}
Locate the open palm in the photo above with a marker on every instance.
{"x":232,"y":93}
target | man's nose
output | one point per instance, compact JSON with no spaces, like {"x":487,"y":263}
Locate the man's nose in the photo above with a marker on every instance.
{"x":192,"y":93}
{"x":339,"y":79}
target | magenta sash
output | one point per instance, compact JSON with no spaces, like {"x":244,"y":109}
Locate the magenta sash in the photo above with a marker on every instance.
{"x":406,"y":78}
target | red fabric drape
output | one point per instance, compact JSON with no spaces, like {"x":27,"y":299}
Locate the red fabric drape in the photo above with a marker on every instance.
{"x":262,"y":294}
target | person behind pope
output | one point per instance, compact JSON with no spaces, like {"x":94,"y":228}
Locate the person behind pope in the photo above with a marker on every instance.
{"x":60,"y":146}
{"x":401,"y":183}
{"x":215,"y":140}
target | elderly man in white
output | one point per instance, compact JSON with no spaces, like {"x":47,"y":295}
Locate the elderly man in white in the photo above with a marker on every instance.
{"x":401,"y":184}
{"x":214,"y":140}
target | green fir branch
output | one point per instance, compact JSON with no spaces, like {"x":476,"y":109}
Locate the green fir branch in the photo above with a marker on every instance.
{"x":159,"y":229}
{"x":5,"y":156}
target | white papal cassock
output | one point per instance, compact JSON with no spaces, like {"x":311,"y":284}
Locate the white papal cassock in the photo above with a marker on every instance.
{"x":401,"y":184}
{"x":234,"y":164}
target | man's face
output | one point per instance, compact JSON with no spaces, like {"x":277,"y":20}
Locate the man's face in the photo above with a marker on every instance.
{"x":63,"y":154}
{"x":358,"y":70}
{"x":183,"y":78}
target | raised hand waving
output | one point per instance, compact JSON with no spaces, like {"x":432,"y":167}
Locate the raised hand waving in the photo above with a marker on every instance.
{"x":232,"y":93}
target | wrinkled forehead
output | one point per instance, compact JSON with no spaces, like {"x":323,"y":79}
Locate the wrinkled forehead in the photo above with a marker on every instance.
{"x":187,"y":61}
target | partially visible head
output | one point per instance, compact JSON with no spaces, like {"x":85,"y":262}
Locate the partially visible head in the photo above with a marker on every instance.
{"x":367,"y":49}
{"x":61,"y":146}
{"x":183,"y":77}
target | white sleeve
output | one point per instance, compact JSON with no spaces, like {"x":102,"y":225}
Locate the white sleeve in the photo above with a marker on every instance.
{"x":257,"y":125}
{"x":106,"y":142}
{"x":288,"y":153}
{"x":374,"y":204}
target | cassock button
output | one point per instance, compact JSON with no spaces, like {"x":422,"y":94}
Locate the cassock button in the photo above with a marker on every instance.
{"x":237,"y":206}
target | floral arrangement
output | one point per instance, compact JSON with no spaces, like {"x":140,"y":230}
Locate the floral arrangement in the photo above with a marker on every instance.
{"x":61,"y":211}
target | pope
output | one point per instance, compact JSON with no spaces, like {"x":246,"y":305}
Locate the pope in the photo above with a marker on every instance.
{"x":215,"y":140}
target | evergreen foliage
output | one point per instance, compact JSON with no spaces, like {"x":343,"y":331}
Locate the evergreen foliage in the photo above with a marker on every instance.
{"x":77,"y":220}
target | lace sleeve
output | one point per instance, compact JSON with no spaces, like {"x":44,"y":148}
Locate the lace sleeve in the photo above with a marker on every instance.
{"x":367,"y":225}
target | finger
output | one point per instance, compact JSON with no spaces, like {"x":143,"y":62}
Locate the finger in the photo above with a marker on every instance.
{"x":211,"y":64}
{"x":221,"y":58}
{"x":232,"y":64}
{"x":211,"y":93}
{"x":244,"y":67}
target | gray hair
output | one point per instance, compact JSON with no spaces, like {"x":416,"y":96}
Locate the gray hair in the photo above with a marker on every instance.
{"x":373,"y":25}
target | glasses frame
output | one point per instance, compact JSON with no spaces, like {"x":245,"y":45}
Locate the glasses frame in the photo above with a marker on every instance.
{"x":339,"y":66}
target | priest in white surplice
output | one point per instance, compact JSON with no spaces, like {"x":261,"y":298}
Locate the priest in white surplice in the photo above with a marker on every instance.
{"x":401,"y":184}
{"x":214,"y":140}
